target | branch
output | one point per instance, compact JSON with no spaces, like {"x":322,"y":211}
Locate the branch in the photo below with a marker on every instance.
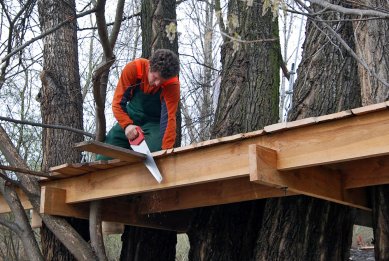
{"x":22,"y":224}
{"x":8,"y":56}
{"x":346,"y":46}
{"x":8,"y":179}
{"x":102,"y":29}
{"x":24,"y":171}
{"x":9,"y":225}
{"x":111,"y":23}
{"x":61,"y":229}
{"x":349,"y":11}
{"x":117,"y":23}
{"x":47,"y":126}
{"x":96,"y":234}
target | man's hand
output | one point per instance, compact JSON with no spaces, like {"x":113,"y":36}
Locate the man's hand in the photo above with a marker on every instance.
{"x":131,"y":132}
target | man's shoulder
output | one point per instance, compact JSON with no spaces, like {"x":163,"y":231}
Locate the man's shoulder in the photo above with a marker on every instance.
{"x":142,"y":61}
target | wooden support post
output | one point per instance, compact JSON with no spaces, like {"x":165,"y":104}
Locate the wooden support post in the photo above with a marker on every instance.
{"x":207,"y":194}
{"x":316,"y":181}
{"x":114,"y":210}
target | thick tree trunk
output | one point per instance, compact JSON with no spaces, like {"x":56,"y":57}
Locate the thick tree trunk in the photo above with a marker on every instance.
{"x":315,"y":230}
{"x":225,"y":232}
{"x":144,"y":244}
{"x":249,"y":95}
{"x":248,"y":101}
{"x":372,"y":45}
{"x":140,"y":243}
{"x":61,"y":103}
{"x":327,"y":75}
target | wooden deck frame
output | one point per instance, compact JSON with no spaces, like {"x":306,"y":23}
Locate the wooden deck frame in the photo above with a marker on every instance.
{"x":315,"y":181}
{"x":331,"y":155}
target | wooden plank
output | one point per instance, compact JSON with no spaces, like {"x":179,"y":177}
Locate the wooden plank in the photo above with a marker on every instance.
{"x":208,"y":194}
{"x":366,"y":172}
{"x":111,"y":151}
{"x":227,"y":161}
{"x":117,"y":210}
{"x":68,"y":170}
{"x":349,"y":139}
{"x":53,"y":203}
{"x":316,"y":182}
{"x":369,"y":108}
{"x":4,"y":208}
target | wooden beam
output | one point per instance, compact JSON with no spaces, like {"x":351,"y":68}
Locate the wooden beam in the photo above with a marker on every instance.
{"x":111,"y":151}
{"x":4,"y":208}
{"x":207,"y":194}
{"x":366,"y":172}
{"x":316,"y":182}
{"x":349,"y":139}
{"x":116,"y":210}
{"x":227,"y":161}
{"x":304,"y":145}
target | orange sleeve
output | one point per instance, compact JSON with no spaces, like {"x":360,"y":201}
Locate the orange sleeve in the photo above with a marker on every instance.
{"x":123,"y":92}
{"x":171,"y":95}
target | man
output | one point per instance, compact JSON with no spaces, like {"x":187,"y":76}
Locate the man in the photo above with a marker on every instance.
{"x":147,"y":96}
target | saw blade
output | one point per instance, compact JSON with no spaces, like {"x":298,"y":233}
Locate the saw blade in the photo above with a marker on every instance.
{"x":149,"y":162}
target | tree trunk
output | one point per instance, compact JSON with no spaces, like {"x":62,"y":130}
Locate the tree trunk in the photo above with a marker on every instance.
{"x":248,"y":101}
{"x":145,"y":244}
{"x":315,"y":229}
{"x":249,"y":95}
{"x":140,"y":243}
{"x":61,"y":103}
{"x":372,"y":45}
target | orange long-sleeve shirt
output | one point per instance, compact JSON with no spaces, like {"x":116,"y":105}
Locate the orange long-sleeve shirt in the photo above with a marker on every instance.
{"x":135,"y":72}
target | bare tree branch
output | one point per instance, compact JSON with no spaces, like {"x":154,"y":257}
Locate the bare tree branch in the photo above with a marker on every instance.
{"x":350,"y":11}
{"x":96,"y":233}
{"x":102,"y":29}
{"x":10,"y":54}
{"x":47,"y":126}
{"x":8,"y":224}
{"x":22,"y":225}
{"x":61,"y":229}
{"x":346,"y":46}
{"x":117,"y":23}
{"x":25,"y":171}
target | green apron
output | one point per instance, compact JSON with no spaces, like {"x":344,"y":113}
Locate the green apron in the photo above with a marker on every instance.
{"x":145,"y":110}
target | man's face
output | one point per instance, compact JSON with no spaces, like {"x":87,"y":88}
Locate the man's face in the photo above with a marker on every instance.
{"x":155,"y":79}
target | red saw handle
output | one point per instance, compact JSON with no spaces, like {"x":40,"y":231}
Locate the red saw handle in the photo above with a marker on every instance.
{"x":140,"y":137}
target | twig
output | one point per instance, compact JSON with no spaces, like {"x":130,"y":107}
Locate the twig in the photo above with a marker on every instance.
{"x":48,"y":126}
{"x":44,"y":34}
{"x":346,"y":46}
{"x":349,"y":11}
{"x":25,"y":171}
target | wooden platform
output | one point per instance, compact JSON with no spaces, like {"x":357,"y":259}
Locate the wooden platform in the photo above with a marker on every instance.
{"x":333,"y":157}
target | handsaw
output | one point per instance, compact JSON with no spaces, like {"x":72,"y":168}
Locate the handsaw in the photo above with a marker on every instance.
{"x":139,"y":145}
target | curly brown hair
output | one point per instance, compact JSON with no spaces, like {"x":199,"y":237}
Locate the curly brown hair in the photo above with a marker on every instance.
{"x":165,"y":62}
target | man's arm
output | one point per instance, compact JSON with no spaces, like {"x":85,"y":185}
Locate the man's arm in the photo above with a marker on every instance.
{"x":170,"y":99}
{"x":123,"y":93}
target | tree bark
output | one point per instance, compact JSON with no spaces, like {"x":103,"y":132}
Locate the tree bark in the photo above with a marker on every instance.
{"x":372,"y":38}
{"x":61,"y":103}
{"x":249,"y":96}
{"x":145,"y":244}
{"x":327,"y":82}
{"x":140,"y":243}
{"x":248,"y":101}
